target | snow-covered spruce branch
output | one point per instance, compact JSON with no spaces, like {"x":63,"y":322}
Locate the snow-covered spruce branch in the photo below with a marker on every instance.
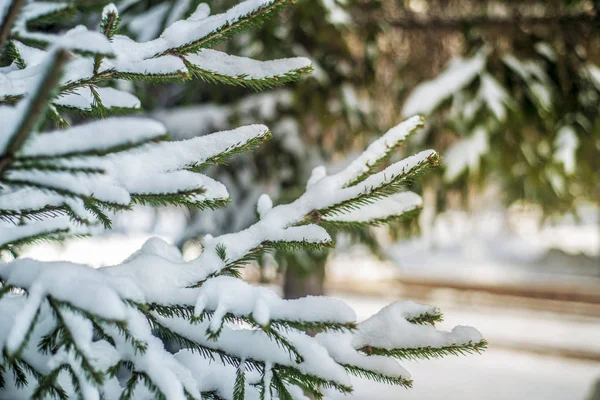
{"x":84,"y":171}
{"x":180,"y":53}
{"x":154,"y":298}
{"x":155,"y":326}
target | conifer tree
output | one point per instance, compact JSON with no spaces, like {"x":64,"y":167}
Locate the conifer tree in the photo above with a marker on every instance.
{"x":155,"y":326}
{"x":519,"y":106}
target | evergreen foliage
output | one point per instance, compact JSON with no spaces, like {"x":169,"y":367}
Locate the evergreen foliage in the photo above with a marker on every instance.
{"x":315,"y":122}
{"x":155,"y":326}
{"x":518,"y":108}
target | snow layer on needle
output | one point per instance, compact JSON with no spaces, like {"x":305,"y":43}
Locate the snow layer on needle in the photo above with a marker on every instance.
{"x":171,"y":377}
{"x":28,"y":199}
{"x":11,"y":306}
{"x":256,"y":345}
{"x":16,"y":83}
{"x":390,"y":173}
{"x":140,"y":58}
{"x":155,"y":274}
{"x":305,"y":233}
{"x":157,"y":168}
{"x":380,"y":147}
{"x":340,"y":348}
{"x":13,"y":233}
{"x":78,"y":38}
{"x":139,"y":180}
{"x":30,"y":55}
{"x":212,"y":375}
{"x":264,"y":205}
{"x":192,"y":30}
{"x":389,"y":329}
{"x":394,"y":205}
{"x":102,"y":187}
{"x":224,"y":64}
{"x":226,"y":294}
{"x":133,"y":57}
{"x":94,"y":136}
{"x":150,"y":169}
{"x":326,"y":192}
{"x":77,"y":284}
{"x":147,"y":170}
{"x":167,"y":156}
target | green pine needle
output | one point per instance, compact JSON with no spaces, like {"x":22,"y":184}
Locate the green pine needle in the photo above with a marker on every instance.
{"x":239,"y":387}
{"x":428,"y":318}
{"x":378,"y":377}
{"x":428,"y":352}
{"x":233,"y":150}
{"x":251,"y":20}
{"x":245,"y":81}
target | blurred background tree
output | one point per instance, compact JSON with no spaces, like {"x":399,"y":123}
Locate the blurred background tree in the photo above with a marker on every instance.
{"x":517,"y":103}
{"x":510,"y":90}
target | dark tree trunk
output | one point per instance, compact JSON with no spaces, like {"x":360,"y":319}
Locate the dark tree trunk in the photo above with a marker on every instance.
{"x":298,"y":283}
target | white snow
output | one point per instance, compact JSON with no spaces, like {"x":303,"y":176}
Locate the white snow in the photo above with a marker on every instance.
{"x":83,"y":99}
{"x":30,"y":55}
{"x":93,"y":136}
{"x":77,"y":284}
{"x":335,"y":13}
{"x":264,"y":204}
{"x":494,"y":96}
{"x":28,"y":199}
{"x":244,"y":68}
{"x":77,"y":38}
{"x":256,"y":345}
{"x":428,"y":95}
{"x":101,"y":186}
{"x":546,"y":50}
{"x":316,"y":175}
{"x":380,"y":147}
{"x":594,"y":73}
{"x":394,"y":205}
{"x":341,"y":349}
{"x":389,"y":329}
{"x":466,"y":154}
{"x":215,"y":376}
{"x":566,"y":144}
{"x":231,"y":295}
{"x":13,"y":233}
{"x":157,"y":274}
{"x":154,"y":168}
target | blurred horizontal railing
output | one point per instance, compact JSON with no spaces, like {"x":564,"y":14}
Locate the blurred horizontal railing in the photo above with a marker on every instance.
{"x":568,"y":295}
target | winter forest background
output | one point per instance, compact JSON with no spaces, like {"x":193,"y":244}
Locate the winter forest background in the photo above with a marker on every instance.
{"x":508,"y":237}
